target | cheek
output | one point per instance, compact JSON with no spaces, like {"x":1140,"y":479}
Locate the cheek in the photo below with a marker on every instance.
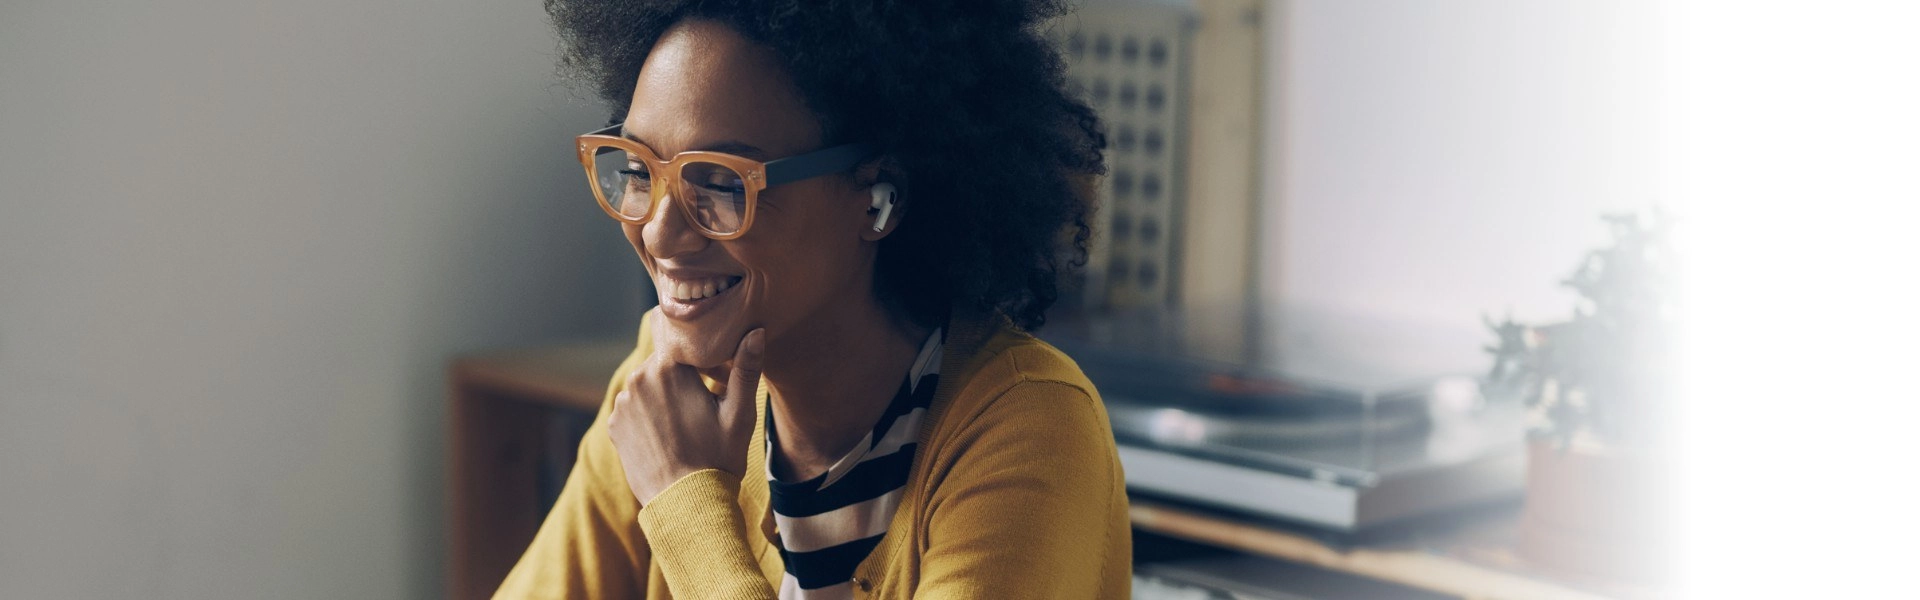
{"x":766,"y":277}
{"x":796,"y":261}
{"x":796,"y":275}
{"x":639,"y":247}
{"x":633,"y":237}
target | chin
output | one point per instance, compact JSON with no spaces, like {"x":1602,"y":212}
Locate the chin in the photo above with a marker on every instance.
{"x":700,"y":347}
{"x":701,"y":325}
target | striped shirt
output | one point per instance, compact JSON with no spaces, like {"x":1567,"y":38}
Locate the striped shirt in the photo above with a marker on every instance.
{"x":828,"y":524}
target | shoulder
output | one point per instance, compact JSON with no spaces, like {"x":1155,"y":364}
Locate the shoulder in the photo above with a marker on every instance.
{"x":1009,"y":356}
{"x":1023,"y":425}
{"x":1013,"y":363}
{"x":1018,"y":386}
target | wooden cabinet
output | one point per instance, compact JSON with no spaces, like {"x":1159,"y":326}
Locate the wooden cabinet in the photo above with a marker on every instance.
{"x":508,"y":411}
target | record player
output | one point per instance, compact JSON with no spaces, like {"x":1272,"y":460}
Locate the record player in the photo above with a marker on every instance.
{"x":1336,"y":421}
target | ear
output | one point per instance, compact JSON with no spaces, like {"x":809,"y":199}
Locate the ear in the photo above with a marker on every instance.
{"x":881,"y":170}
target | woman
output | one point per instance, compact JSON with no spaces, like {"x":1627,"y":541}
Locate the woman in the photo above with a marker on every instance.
{"x":852,"y":212}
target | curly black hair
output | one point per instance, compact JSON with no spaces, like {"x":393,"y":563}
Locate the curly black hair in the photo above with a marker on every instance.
{"x":966,"y":96}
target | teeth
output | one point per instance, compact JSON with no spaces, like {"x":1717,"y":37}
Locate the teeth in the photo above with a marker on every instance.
{"x":694,"y":290}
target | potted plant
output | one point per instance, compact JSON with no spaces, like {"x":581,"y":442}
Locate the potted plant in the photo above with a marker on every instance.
{"x":1595,"y":387}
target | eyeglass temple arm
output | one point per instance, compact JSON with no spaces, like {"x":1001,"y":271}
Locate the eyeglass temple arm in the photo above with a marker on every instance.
{"x":817,"y":163}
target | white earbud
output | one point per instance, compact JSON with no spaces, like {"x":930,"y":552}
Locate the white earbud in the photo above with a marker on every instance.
{"x":882,"y":202}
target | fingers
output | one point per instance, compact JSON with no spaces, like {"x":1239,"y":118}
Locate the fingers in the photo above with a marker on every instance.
{"x":619,"y":404}
{"x":745,"y":380}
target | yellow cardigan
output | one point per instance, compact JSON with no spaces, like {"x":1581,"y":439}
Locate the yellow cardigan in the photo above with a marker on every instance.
{"x":1015,"y":492}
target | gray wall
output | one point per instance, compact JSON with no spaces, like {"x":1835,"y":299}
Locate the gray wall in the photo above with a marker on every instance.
{"x":1430,"y":161}
{"x":239,"y":242}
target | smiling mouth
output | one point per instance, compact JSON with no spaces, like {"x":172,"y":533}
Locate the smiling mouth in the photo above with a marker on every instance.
{"x":697,"y":290}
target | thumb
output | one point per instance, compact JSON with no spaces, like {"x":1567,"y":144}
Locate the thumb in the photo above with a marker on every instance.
{"x":745,"y":380}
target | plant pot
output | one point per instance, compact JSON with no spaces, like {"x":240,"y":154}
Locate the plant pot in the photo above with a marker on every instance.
{"x":1594,"y":511}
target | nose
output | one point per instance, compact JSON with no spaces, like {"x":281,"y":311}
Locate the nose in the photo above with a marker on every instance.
{"x":668,"y":234}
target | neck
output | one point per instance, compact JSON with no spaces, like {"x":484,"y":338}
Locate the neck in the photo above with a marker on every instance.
{"x":831,"y":380}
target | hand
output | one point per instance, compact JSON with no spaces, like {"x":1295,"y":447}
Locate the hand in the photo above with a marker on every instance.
{"x":665,"y":424}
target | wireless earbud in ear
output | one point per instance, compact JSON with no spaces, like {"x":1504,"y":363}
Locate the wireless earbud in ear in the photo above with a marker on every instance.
{"x":882,"y":205}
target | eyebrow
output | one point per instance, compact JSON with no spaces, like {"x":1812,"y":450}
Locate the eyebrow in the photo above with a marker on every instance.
{"x":727,"y":146}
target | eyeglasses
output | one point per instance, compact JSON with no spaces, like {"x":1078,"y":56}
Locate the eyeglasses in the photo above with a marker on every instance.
{"x":717,"y":191}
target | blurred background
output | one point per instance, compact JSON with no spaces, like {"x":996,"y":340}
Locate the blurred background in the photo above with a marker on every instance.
{"x":304,"y":300}
{"x":241,"y":243}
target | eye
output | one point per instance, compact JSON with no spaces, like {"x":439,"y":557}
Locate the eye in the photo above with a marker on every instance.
{"x":637,"y":178}
{"x":719,"y":178}
{"x":712,"y":178}
{"x":731,"y":188}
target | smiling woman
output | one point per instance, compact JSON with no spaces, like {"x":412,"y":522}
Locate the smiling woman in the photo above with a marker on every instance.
{"x":852,"y":213}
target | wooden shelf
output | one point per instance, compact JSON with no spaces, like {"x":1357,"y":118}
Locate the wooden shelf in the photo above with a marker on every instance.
{"x":1471,"y":556}
{"x":569,"y":375}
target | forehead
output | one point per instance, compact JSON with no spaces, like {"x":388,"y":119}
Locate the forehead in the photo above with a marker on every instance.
{"x":703,"y":83}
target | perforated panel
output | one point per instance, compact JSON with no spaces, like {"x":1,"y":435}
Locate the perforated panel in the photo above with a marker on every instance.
{"x":1129,"y":62}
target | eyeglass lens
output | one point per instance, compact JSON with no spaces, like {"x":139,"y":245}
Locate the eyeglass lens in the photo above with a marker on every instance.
{"x":715,"y":193}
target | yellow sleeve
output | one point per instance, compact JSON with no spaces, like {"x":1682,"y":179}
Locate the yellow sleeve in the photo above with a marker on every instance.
{"x":1030,"y":505}
{"x":589,"y":546}
{"x":700,"y":540}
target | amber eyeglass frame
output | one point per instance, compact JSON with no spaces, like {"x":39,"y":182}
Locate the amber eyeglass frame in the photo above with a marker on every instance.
{"x":757,"y":175}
